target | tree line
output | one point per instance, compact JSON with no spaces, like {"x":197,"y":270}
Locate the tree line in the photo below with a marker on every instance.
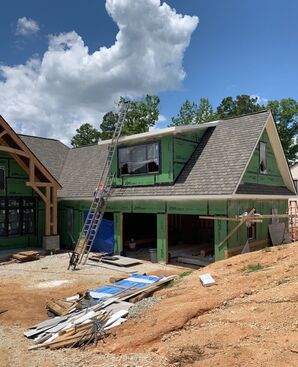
{"x":143,"y":114}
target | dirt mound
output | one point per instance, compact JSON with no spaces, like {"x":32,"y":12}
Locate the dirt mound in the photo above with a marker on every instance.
{"x":249,"y":316}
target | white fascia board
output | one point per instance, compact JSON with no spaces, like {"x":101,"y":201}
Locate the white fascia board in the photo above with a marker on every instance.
{"x":279,"y":154}
{"x":161,"y":132}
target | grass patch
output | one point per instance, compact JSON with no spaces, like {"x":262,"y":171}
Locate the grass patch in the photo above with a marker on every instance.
{"x":251,"y":268}
{"x":282,"y":281}
{"x":267,"y":249}
{"x":178,"y":279}
{"x":184,"y":274}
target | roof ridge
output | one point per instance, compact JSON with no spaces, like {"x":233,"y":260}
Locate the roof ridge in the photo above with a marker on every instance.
{"x":43,"y":137}
{"x":245,"y":114}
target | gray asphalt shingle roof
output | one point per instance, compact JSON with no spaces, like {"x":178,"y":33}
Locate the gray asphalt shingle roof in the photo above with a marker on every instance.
{"x":215,"y":167}
{"x":82,"y":170}
{"x":51,"y":152}
{"x":217,"y":164}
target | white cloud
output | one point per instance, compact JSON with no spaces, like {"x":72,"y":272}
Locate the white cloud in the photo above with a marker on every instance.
{"x":162,"y":118}
{"x":260,"y":100}
{"x":26,"y":26}
{"x":54,"y":94}
{"x":160,"y":123}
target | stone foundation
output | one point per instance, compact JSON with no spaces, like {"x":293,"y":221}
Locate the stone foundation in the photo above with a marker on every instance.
{"x":51,"y":243}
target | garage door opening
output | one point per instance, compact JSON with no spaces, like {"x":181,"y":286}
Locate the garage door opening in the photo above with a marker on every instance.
{"x":140,"y":235}
{"x":191,"y":240}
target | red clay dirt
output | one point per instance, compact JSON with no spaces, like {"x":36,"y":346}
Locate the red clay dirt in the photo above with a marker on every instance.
{"x":248,"y":318}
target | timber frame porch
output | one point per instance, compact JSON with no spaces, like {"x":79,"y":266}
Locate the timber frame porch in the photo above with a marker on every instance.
{"x":40,"y":179}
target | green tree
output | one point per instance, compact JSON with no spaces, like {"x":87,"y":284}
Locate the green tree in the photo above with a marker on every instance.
{"x":285,"y":113}
{"x":108,"y":124}
{"x":241,"y":105}
{"x":140,"y":116}
{"x":187,"y":114}
{"x":205,"y":111}
{"x":86,"y":135}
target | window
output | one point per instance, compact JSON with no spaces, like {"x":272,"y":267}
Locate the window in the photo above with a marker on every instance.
{"x":2,"y":179}
{"x":251,"y":231}
{"x":139,"y":159}
{"x":17,"y":216}
{"x":263,"y":158}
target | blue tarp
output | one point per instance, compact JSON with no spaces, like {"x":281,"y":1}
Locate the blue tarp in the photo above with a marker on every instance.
{"x":104,"y":240}
{"x":107,"y":291}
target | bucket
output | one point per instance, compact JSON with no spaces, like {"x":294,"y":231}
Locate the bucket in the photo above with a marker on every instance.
{"x":153,"y":255}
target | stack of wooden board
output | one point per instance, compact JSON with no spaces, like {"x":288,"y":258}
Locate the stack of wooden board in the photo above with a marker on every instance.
{"x":26,"y":256}
{"x":89,"y":325}
{"x":61,"y":307}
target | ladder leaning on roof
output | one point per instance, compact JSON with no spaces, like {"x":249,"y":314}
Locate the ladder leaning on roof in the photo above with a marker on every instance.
{"x":97,"y":208}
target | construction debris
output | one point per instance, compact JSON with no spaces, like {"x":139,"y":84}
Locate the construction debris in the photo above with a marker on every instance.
{"x":25,"y":256}
{"x":207,"y":280}
{"x":115,"y":260}
{"x":77,"y":328}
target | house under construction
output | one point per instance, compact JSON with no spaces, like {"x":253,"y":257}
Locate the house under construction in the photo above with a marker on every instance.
{"x":164,"y":181}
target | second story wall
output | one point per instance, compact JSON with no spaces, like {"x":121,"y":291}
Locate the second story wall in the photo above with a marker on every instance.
{"x":174,"y":153}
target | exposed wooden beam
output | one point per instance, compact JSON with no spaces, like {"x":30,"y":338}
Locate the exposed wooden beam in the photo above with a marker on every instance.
{"x":48,"y":212}
{"x":244,"y":220}
{"x":26,"y":152}
{"x":13,"y":151}
{"x":55,"y":211}
{"x":36,"y":189}
{"x":3,"y":133}
{"x":43,"y":184}
{"x":31,"y":171}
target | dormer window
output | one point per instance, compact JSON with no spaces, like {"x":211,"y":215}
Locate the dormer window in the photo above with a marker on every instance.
{"x":263,"y":157}
{"x":2,"y":179}
{"x":139,"y":159}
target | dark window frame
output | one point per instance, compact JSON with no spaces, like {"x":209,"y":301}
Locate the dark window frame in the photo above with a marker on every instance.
{"x":119,"y":174}
{"x":20,"y":204}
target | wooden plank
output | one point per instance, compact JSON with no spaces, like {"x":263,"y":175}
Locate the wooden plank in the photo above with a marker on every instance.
{"x":122,"y":261}
{"x":194,"y":260}
{"x":244,"y":220}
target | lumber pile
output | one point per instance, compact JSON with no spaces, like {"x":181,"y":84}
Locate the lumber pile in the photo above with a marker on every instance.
{"x":25,"y":256}
{"x":78,"y":328}
{"x":61,"y":307}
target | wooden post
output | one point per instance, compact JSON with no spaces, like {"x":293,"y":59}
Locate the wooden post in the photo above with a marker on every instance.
{"x":54,"y":208}
{"x":48,"y":211}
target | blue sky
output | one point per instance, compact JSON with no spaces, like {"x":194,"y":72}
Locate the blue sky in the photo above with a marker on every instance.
{"x":238,"y":47}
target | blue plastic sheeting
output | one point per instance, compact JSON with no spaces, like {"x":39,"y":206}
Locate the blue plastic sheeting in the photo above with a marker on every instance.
{"x":107,"y":291}
{"x":104,"y":240}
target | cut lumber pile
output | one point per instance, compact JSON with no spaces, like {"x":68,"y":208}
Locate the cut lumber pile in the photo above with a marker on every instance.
{"x":25,"y":256}
{"x":74,"y":328}
{"x":61,"y":307}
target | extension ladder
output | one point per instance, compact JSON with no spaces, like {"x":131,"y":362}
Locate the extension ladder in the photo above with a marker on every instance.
{"x":97,"y":208}
{"x":293,"y":220}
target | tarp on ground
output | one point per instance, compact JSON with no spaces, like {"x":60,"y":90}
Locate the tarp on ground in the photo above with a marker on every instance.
{"x":104,"y":240}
